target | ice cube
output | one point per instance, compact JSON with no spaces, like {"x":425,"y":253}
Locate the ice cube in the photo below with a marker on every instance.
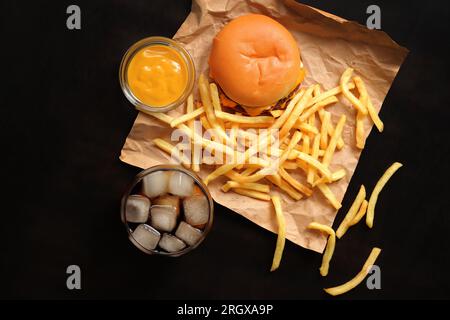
{"x":196,"y":210}
{"x":168,"y":200}
{"x":146,"y":236}
{"x":163,"y":218}
{"x":155,"y":184}
{"x":188,"y":233}
{"x":171,"y":243}
{"x":137,"y":209}
{"x":181,"y":184}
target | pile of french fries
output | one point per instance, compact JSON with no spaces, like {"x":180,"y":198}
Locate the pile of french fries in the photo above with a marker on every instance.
{"x":308,"y":139}
{"x":307,"y":142}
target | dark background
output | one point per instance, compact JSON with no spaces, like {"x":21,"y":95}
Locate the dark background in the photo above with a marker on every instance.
{"x":64,"y":120}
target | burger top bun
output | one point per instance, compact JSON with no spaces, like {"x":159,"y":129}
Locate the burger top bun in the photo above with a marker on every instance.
{"x":255,"y":60}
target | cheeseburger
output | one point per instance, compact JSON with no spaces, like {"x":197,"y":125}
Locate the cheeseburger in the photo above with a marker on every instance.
{"x":256,"y":62}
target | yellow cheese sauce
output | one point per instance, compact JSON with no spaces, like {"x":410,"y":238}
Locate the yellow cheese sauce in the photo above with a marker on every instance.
{"x":157,"y":75}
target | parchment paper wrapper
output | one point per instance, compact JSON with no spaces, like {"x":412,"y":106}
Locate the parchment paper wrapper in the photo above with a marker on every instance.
{"x":328,"y":45}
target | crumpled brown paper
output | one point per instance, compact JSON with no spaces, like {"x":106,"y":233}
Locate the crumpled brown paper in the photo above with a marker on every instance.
{"x":328,"y":44}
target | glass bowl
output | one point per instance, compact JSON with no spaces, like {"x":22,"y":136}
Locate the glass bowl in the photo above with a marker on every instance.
{"x":135,"y":48}
{"x":136,"y":185}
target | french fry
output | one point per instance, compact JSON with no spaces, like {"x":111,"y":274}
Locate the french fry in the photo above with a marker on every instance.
{"x":283,"y":185}
{"x":189,"y":109}
{"x":296,"y":184}
{"x":345,"y":78}
{"x":358,"y":278}
{"x":190,"y":104}
{"x":222,"y":170}
{"x":284,"y":156}
{"x":345,"y":224}
{"x":282,"y":119}
{"x":306,"y":144}
{"x":335,"y":176}
{"x":158,"y":115}
{"x":243,"y":119}
{"x":318,"y":106}
{"x":235,"y":176}
{"x":249,"y":171}
{"x":333,"y":141}
{"x":312,"y":123}
{"x":340,"y":144}
{"x":329,"y":195}
{"x":215,"y":97}
{"x":298,"y":109}
{"x":239,"y":177}
{"x":363,"y":97}
{"x":256,"y":162}
{"x":293,"y":155}
{"x":205,"y":143}
{"x":305,"y":147}
{"x":329,"y":93}
{"x":276,"y":113}
{"x":313,"y":162}
{"x":306,"y":128}
{"x":324,"y":129}
{"x":172,"y":151}
{"x":252,"y":194}
{"x":303,"y":165}
{"x":361,"y":212}
{"x":285,"y":141}
{"x":329,"y":250}
{"x":206,"y":100}
{"x":209,"y":110}
{"x":265,"y":140}
{"x":168,"y":119}
{"x":376,"y":191}
{"x":290,"y":165}
{"x":205,"y":123}
{"x":264,"y":188}
{"x":234,"y":131}
{"x":372,"y":113}
{"x":317,"y":90}
{"x":229,"y":125}
{"x":208,"y":144}
{"x":360,"y":140}
{"x":314,"y":154}
{"x":186,"y":117}
{"x":281,"y":233}
{"x":338,"y":175}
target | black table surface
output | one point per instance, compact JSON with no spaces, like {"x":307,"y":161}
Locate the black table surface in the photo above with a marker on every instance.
{"x":64,"y":120}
